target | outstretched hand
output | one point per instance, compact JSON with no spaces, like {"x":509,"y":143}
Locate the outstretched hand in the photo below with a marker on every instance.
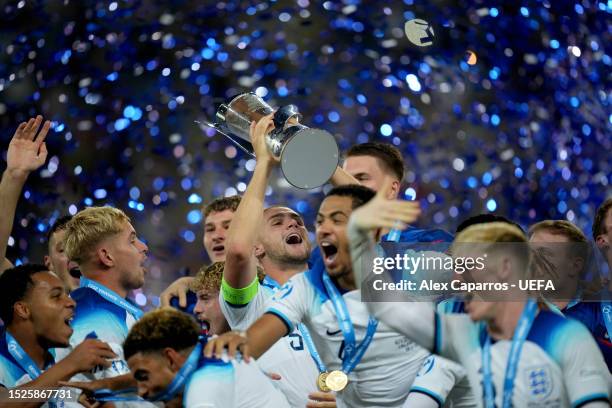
{"x":27,"y":150}
{"x":381,"y":212}
{"x":232,"y":341}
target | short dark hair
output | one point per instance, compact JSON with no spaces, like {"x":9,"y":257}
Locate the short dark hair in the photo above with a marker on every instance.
{"x":598,"y":223}
{"x":14,"y":286}
{"x":58,"y":225}
{"x":222,"y":204}
{"x":485,"y":219}
{"x":559,"y":227}
{"x":161,"y":328}
{"x":387,"y":155}
{"x":566,"y":229}
{"x":358,"y":193}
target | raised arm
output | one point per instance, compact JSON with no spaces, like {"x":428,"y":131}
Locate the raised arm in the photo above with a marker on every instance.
{"x":26,"y":153}
{"x":415,"y":320}
{"x":262,"y":335}
{"x":5,"y":264}
{"x":241,"y":266}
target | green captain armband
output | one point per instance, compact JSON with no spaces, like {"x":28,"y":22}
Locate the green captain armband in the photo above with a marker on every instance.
{"x":239,"y":297}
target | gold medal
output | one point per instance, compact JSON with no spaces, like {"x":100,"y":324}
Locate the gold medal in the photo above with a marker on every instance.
{"x":336,"y":380}
{"x":321,"y":382}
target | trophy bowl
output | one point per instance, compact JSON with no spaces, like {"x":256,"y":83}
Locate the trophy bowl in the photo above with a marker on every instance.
{"x":308,"y":156}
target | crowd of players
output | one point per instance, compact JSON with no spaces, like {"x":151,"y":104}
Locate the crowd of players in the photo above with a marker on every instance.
{"x":294,"y":306}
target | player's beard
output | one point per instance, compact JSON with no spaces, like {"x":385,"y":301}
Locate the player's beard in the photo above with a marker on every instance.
{"x":282,"y":255}
{"x":132,"y":280}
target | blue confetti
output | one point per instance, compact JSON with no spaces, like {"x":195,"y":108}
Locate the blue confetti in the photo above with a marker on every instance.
{"x":491,"y":205}
{"x":528,"y":118}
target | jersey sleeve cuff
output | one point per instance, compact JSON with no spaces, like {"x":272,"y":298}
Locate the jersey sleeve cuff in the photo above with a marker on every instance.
{"x":239,"y":297}
{"x":430,"y":394}
{"x":590,"y":398}
{"x":284,"y":318}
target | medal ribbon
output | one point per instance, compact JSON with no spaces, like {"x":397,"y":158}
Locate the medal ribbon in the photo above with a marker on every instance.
{"x":352,"y":353}
{"x":25,"y":362}
{"x":394,"y":235}
{"x":22,"y":358}
{"x":520,"y":334}
{"x":112,"y":297}
{"x":312,"y":349}
{"x":105,"y":394}
{"x":177,"y":384}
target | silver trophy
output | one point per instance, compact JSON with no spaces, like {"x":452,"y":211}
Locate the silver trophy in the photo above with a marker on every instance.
{"x":308,"y":157}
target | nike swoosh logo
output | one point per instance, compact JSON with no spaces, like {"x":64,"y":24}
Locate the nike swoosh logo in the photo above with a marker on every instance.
{"x":332,"y":333}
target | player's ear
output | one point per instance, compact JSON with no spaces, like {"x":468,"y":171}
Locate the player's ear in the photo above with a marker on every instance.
{"x":105,"y":257}
{"x":577,"y":267}
{"x":394,"y":190}
{"x":504,"y":268}
{"x":174,"y":359}
{"x":259,"y":251}
{"x":21,"y":310}
{"x":602,"y":241}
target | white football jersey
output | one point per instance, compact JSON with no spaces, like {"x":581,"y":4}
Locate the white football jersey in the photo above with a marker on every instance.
{"x":289,"y":357}
{"x":96,"y":317}
{"x":559,"y":365}
{"x":231,"y":385}
{"x":385,"y":373}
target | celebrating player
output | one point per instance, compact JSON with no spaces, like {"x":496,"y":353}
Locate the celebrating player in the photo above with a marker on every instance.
{"x":112,"y":260}
{"x":520,"y":356}
{"x":164,"y":352}
{"x":56,"y":259}
{"x":37,"y":312}
{"x":27,"y":151}
{"x":324,"y":299}
{"x":566,"y":250}
{"x":218,"y":215}
{"x":277,"y":240}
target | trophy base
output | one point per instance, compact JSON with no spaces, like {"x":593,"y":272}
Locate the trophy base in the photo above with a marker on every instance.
{"x":309,"y":157}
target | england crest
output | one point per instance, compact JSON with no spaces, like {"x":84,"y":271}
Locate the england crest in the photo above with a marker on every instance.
{"x":539,"y":382}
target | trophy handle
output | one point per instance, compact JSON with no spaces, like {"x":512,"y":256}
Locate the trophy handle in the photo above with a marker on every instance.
{"x":282,"y":115}
{"x":222,"y":111}
{"x":218,"y":129}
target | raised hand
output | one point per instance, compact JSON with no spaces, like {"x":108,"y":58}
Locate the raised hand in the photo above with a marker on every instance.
{"x":381,"y":212}
{"x":258,"y":132}
{"x":27,"y":150}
